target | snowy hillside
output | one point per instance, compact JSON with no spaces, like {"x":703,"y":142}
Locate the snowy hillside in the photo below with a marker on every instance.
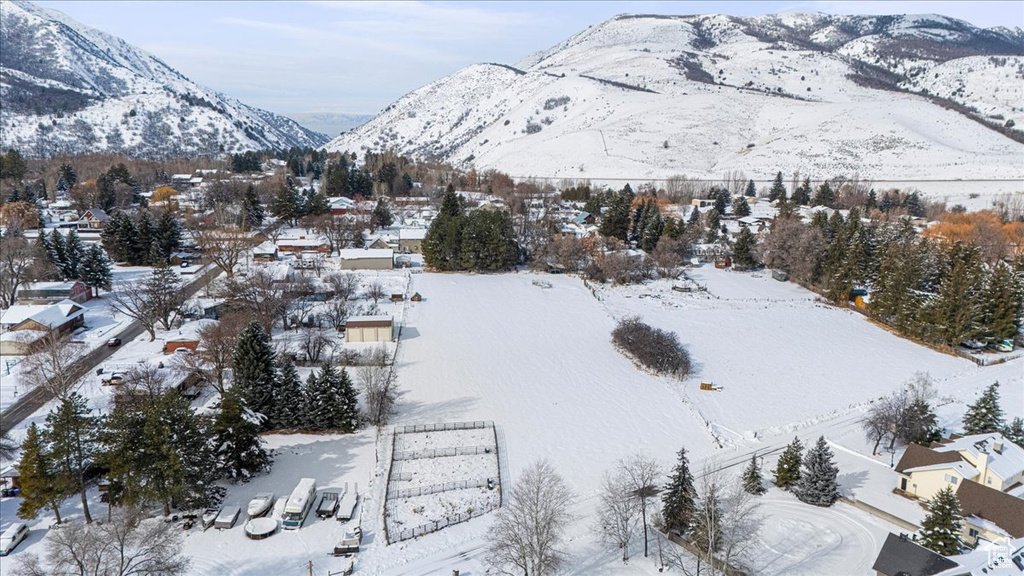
{"x":654,"y":96}
{"x":69,"y":88}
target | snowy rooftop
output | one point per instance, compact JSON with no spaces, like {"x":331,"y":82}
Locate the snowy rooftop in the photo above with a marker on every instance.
{"x":355,"y":253}
{"x":358,"y":319}
{"x":412,"y":233}
{"x":51,"y":315}
{"x":1008,"y":462}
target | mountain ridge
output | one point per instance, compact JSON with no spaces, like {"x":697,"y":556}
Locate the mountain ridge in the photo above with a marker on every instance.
{"x":654,"y":96}
{"x":70,"y":88}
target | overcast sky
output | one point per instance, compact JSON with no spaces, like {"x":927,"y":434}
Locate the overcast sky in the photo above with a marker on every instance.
{"x":357,"y":57}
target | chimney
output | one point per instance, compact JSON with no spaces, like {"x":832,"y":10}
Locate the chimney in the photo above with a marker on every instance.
{"x":997,"y":447}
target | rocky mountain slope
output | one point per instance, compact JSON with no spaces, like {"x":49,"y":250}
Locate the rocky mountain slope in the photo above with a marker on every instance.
{"x":69,"y":88}
{"x":919,"y":97}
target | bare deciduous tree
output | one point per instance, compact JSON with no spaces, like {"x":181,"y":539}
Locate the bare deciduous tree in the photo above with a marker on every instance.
{"x":225,"y":247}
{"x":216,"y":347}
{"x":256,"y":296}
{"x":344,"y":285}
{"x":528,"y":532}
{"x":315,"y":343}
{"x":126,"y":546}
{"x":379,"y":383}
{"x":641,"y":474}
{"x":618,"y":513}
{"x":338,"y":312}
{"x":18,"y":264}
{"x":49,"y":366}
{"x":374,"y":291}
{"x":153,"y":301}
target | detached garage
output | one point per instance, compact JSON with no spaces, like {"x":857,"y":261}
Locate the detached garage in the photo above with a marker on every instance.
{"x":367,"y":258}
{"x":368,"y":329}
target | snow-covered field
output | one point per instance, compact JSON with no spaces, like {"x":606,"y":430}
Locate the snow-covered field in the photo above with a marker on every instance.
{"x":539,"y":363}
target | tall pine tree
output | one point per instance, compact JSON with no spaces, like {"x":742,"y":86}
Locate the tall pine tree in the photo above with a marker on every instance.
{"x":817,"y":484}
{"x":744,"y":251}
{"x":954,"y":315}
{"x":288,"y":398}
{"x":73,"y":432}
{"x":985,"y":415}
{"x":678,"y":497}
{"x":940,"y":530}
{"x":787,"y":471}
{"x":442,"y":245}
{"x":752,"y":481}
{"x":778,"y":190}
{"x":95,"y":270}
{"x":1002,"y":305}
{"x":252,"y":209}
{"x":253,"y":363}
{"x":41,"y":485}
{"x":236,"y":441}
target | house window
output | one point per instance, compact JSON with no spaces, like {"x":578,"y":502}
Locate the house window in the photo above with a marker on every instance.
{"x":950,"y":479}
{"x":972,"y":533}
{"x":989,"y":480}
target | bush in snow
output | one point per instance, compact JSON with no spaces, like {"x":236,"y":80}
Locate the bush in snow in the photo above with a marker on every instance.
{"x":655,"y":349}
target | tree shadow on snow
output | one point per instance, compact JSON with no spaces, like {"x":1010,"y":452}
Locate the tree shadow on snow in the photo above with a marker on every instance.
{"x":850,"y":481}
{"x":409,"y":333}
{"x":452,"y":410}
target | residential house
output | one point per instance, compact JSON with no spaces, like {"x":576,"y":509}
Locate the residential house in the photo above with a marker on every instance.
{"x":93,"y":219}
{"x":186,"y":337}
{"x":901,"y":556}
{"x":410,"y":240}
{"x":53,"y":292}
{"x":988,"y":459}
{"x":341,"y":205}
{"x":303,"y":244}
{"x":265,"y":252}
{"x":989,"y":514}
{"x":25,"y":324}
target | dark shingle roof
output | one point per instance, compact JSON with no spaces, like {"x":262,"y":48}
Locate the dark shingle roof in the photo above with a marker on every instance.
{"x":917,"y":455}
{"x":1000,"y":508}
{"x":904,"y":557}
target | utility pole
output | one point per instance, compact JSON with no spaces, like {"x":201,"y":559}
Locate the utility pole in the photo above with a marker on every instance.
{"x":310,"y":568}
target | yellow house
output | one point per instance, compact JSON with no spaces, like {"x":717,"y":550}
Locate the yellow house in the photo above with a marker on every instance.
{"x":987,"y":459}
{"x":989,"y":514}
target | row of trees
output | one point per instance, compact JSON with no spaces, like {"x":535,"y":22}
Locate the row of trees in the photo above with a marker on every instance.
{"x":482,"y":239}
{"x":73,"y":261}
{"x":143,"y":240}
{"x":939,"y":292}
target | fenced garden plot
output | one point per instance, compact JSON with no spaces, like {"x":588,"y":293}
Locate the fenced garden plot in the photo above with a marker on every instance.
{"x":439,"y":475}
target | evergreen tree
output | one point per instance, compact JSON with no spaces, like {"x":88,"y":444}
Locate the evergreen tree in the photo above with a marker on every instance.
{"x":288,"y":398}
{"x":41,"y":485}
{"x":95,"y":270}
{"x":442,"y":245}
{"x":45,"y":248}
{"x":740,"y":208}
{"x":744,"y":252}
{"x":317,"y":203}
{"x":940,"y":530}
{"x":1002,"y":305}
{"x":751,"y":190}
{"x":74,"y":251}
{"x":317,"y":406}
{"x":714,"y":224}
{"x":778,"y":190}
{"x":954,"y":314}
{"x":58,"y":252}
{"x":985,"y":415}
{"x":166,"y":240}
{"x":381,"y":217}
{"x":72,"y":433}
{"x":752,"y":481}
{"x":653,"y":226}
{"x":145,"y":230}
{"x":253,"y":363}
{"x":694,"y":217}
{"x":487,"y":241}
{"x":817,"y":484}
{"x":615,"y":221}
{"x":901,"y":276}
{"x":787,"y":471}
{"x":1015,"y":432}
{"x":286,"y":205}
{"x":802,"y":194}
{"x":678,"y":497}
{"x":236,"y":441}
{"x":824,"y":196}
{"x":921,"y":424}
{"x":252,"y":209}
{"x":872,"y":201}
{"x":333,"y":402}
{"x":673,"y":228}
{"x":721,"y":198}
{"x":67,"y":179}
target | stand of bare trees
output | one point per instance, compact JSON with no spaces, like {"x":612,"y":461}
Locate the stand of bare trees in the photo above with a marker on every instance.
{"x":19,"y":264}
{"x":213,"y":356}
{"x":527,"y":535}
{"x":725,"y":522}
{"x":126,"y":546}
{"x":903,"y":416}
{"x":225,"y":247}
{"x":153,"y":301}
{"x":258,"y":297}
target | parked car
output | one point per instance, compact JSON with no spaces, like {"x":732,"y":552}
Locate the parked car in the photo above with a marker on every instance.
{"x":114,"y":342}
{"x":12,"y":537}
{"x":185,"y":263}
{"x":113,"y":378}
{"x":973,"y":344}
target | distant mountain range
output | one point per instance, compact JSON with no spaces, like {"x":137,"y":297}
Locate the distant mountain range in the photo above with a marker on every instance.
{"x":68,"y":88}
{"x":329,"y":123}
{"x":653,"y":96}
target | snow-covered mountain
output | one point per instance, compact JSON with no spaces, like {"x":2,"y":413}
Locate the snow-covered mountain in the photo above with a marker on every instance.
{"x":922,"y":97}
{"x":66,"y":87}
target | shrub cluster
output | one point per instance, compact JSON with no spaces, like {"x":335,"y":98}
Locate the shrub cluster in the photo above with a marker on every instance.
{"x":655,"y":349}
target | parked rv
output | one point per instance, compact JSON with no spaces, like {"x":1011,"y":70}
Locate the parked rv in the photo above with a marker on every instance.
{"x":299,"y":504}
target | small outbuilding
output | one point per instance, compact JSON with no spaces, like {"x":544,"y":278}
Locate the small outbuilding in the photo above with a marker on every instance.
{"x":367,"y":259}
{"x":53,"y":292}
{"x":369,"y":329}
